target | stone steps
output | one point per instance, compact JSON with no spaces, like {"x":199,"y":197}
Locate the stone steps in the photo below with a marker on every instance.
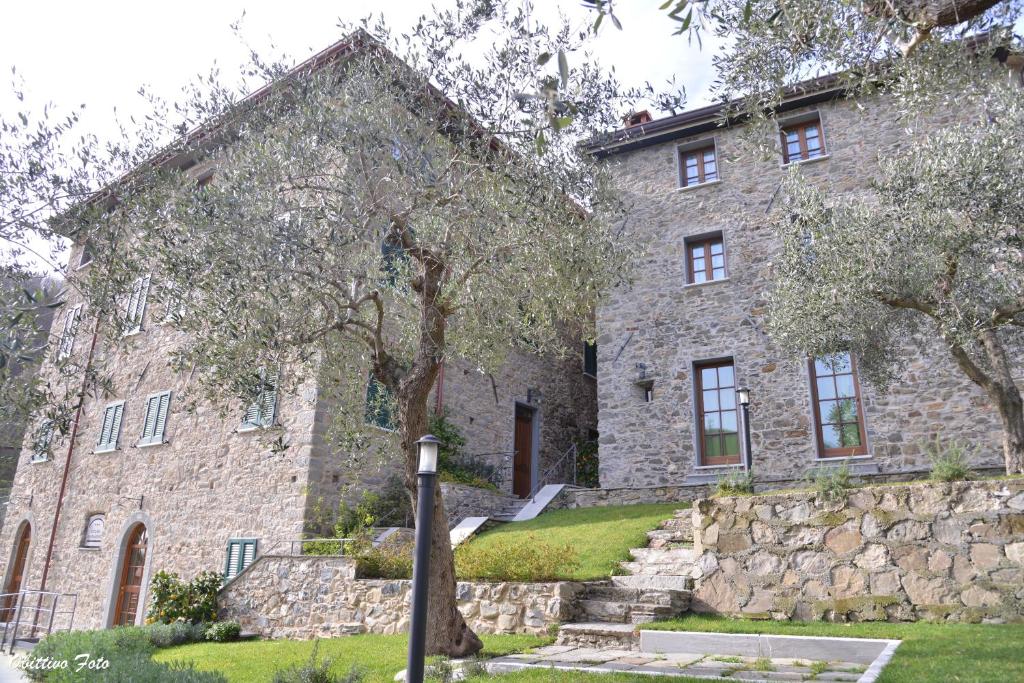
{"x":599,"y":635}
{"x":611,"y":603}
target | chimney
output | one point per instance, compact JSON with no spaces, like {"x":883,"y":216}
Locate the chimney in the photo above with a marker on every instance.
{"x":638,"y":118}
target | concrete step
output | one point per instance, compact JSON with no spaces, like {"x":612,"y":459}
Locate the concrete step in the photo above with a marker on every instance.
{"x":604,"y":611}
{"x":665,"y":538}
{"x":680,"y":582}
{"x":599,"y":634}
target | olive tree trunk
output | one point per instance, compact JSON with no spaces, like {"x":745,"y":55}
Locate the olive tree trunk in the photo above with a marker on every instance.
{"x":997,"y":381}
{"x":447,"y":631}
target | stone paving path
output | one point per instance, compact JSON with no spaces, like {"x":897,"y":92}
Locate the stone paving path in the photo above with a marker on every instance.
{"x":678,"y":664}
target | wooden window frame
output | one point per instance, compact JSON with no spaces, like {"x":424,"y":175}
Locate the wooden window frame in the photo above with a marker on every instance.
{"x":709,"y":270}
{"x":852,"y":451}
{"x":800,"y":127}
{"x":698,"y":386}
{"x":702,"y":178}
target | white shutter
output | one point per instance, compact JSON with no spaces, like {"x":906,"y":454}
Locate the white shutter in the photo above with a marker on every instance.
{"x":149,"y":424}
{"x":67,"y":336}
{"x":108,"y":416}
{"x":268,"y":401}
{"x":115,"y":427}
{"x":136,"y":306}
{"x":233,"y":549}
{"x":248,"y":553}
{"x":41,"y":447}
{"x":164,"y":402}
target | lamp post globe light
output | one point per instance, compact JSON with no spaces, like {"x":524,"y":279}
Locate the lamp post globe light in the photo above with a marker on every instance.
{"x":428,"y":446}
{"x":743,"y":397}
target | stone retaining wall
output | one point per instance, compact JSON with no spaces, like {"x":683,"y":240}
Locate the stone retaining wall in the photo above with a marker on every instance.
{"x":462,"y":501}
{"x":312,"y":597}
{"x":898,"y":552}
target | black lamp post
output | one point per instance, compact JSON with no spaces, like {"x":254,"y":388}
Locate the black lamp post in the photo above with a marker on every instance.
{"x":743,"y":396}
{"x":428,"y":446}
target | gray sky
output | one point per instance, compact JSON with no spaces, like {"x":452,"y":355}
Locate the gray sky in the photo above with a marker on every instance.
{"x":99,"y":52}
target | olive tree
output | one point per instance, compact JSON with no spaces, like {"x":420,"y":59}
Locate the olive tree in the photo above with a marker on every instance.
{"x":393,"y":205}
{"x":933,"y":250}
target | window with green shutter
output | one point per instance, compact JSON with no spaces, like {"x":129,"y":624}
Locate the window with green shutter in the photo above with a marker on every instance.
{"x":110,"y":428}
{"x":41,"y":442}
{"x":241,"y":553}
{"x":135,"y":307}
{"x":157,"y":406}
{"x":379,"y":406}
{"x":262,"y":411}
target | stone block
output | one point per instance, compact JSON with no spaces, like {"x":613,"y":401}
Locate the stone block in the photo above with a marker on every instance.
{"x":985,"y":555}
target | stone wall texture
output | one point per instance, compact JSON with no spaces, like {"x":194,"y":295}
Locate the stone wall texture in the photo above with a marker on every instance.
{"x":667,"y":325}
{"x":927,"y":551}
{"x":312,"y":597}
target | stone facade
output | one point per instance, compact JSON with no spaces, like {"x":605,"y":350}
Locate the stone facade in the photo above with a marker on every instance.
{"x":313,"y":597}
{"x":896,"y":552}
{"x":667,"y":326}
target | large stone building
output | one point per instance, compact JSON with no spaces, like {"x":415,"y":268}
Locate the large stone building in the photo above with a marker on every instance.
{"x":689,"y":331}
{"x":142,"y":483}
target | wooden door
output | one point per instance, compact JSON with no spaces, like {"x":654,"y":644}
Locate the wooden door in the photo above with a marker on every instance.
{"x":129,"y":589}
{"x":17,"y":574}
{"x":522,"y":463}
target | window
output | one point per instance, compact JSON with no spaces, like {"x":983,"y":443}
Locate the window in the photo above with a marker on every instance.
{"x":802,"y":141}
{"x":135,"y":307}
{"x":41,"y":442}
{"x":67,"y":335}
{"x":837,"y":411}
{"x":86,"y":255}
{"x":705,"y":259}
{"x":716,"y":414}
{"x":241,"y":553}
{"x":590,"y":359}
{"x":379,"y":404}
{"x":156,"y":419}
{"x":110,"y":429}
{"x":262,"y":411}
{"x":697,"y":166}
{"x":93,"y":532}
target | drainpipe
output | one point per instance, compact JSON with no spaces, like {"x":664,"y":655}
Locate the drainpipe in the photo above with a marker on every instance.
{"x":67,"y":460}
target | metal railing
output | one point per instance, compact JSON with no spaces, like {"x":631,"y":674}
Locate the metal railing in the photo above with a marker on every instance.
{"x":297,"y":547}
{"x":44,"y":608}
{"x":557,"y":467}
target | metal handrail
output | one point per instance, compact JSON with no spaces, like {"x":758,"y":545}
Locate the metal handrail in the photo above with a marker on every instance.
{"x":554,"y":467}
{"x":12,"y":626}
{"x":300,"y":542}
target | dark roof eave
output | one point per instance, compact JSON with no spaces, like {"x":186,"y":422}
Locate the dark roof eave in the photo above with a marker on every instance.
{"x":691,"y":123}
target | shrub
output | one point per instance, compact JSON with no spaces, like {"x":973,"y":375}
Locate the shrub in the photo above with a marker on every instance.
{"x":315,"y":670}
{"x":127,"y":649}
{"x":831,"y":483}
{"x":177,"y":633}
{"x":175,"y":600}
{"x":386,"y":561}
{"x":735,"y":483}
{"x":587,"y":465}
{"x":950,"y":462}
{"x":509,"y":560}
{"x":223,"y":631}
{"x":453,"y":465}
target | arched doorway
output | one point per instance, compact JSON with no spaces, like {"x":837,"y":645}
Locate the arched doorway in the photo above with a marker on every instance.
{"x":129,"y":587}
{"x":16,"y":575}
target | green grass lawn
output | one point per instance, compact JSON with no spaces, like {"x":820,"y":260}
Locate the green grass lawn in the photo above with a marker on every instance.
{"x":602,"y":536}
{"x":378,"y":657}
{"x":981,"y":653}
